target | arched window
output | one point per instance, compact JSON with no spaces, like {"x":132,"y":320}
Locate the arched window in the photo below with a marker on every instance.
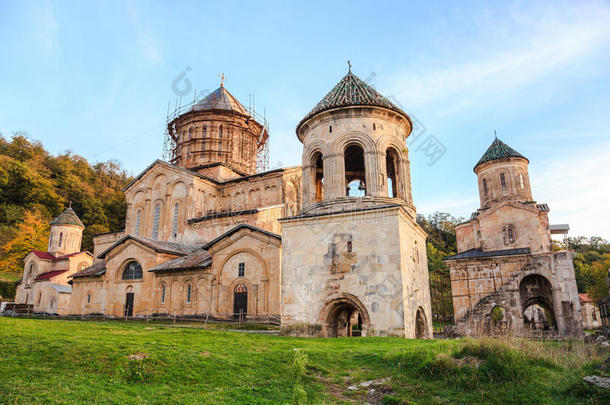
{"x":391,"y":163}
{"x":39,"y":298}
{"x":354,"y":171}
{"x":485,"y":190}
{"x":61,"y":237}
{"x":594,"y":315}
{"x":318,"y":176}
{"x":188,"y":293}
{"x":156,"y":219}
{"x":133,"y":271}
{"x":503,"y":181}
{"x":219,"y":147}
{"x":509,"y":234}
{"x":220,"y":132}
{"x":521,"y":183}
{"x":138,"y":221}
{"x":51,"y":239}
{"x":88,"y":298}
{"x":163,"y":294}
{"x":175,"y":226}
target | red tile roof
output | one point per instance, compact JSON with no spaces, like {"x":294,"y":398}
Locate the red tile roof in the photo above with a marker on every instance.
{"x":44,"y":255}
{"x":49,"y":274}
{"x":584,"y":297}
{"x":49,"y":256}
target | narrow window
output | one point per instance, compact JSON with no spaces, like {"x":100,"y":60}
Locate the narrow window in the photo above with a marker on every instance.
{"x":51,"y":239}
{"x":39,"y":298}
{"x":61,"y":237}
{"x":330,"y":129}
{"x":509,"y":234}
{"x":89,"y":298}
{"x":188,"y":293}
{"x":188,"y":144}
{"x":175,"y":227}
{"x":138,"y":221}
{"x":594,"y":315}
{"x":241,"y":271}
{"x":156,"y":218}
{"x":163,"y":294}
{"x":318,"y":176}
{"x":349,"y":246}
{"x":219,"y":147}
{"x":485,"y":192}
{"x":374,"y":126}
{"x":521,"y":184}
{"x":503,"y":181}
{"x":220,"y":132}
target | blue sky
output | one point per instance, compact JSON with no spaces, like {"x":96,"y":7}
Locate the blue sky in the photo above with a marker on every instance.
{"x":96,"y":78}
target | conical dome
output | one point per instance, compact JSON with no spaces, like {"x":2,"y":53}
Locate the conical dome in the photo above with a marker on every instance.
{"x":220,"y":99}
{"x":351,"y":91}
{"x":68,"y":217}
{"x":499,"y":150}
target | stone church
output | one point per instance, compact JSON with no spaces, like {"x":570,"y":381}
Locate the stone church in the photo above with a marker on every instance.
{"x":506,"y":278}
{"x":330,"y":248}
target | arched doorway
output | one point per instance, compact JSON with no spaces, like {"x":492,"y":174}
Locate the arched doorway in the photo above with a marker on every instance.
{"x":421,"y":325}
{"x":129,"y":301}
{"x":240,"y":302}
{"x":344,"y":316}
{"x":536,"y":293}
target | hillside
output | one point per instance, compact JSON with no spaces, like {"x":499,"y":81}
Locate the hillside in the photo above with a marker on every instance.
{"x":36,"y":186}
{"x":118,"y":362}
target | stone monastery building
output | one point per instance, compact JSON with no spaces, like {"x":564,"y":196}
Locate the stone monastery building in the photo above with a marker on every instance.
{"x":330,"y":248}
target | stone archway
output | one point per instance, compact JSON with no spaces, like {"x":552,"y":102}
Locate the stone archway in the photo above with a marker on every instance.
{"x":344,"y":315}
{"x":536,"y":293}
{"x":421,"y":325}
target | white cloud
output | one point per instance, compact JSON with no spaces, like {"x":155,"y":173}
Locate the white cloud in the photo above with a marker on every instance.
{"x":526,"y":46}
{"x":576,"y":185}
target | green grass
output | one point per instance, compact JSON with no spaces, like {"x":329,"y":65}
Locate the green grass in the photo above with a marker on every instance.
{"x":8,"y":276}
{"x":87,"y":362}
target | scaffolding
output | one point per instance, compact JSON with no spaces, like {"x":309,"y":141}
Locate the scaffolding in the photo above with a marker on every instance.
{"x":171,"y":154}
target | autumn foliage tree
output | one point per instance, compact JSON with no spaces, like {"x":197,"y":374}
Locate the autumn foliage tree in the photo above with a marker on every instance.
{"x":36,"y":186}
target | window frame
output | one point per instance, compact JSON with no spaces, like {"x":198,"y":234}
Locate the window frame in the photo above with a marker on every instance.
{"x":133,"y":274}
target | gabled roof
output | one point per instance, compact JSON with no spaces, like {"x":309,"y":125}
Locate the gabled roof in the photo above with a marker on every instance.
{"x":159,"y":162}
{"x":44,"y":255}
{"x":157,"y":245}
{"x":498,"y":150}
{"x":221,"y":99}
{"x":476,"y":253}
{"x":68,"y":217}
{"x":49,"y":256}
{"x":97,"y":269}
{"x":49,"y":275}
{"x":238,"y":228}
{"x":197,"y":260}
{"x":351,"y":91}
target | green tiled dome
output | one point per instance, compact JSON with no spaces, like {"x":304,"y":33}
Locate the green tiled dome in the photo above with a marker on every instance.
{"x":499,"y":150}
{"x":351,"y":91}
{"x":68,"y":217}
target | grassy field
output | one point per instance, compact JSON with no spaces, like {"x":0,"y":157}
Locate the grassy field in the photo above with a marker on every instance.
{"x":76,"y":362}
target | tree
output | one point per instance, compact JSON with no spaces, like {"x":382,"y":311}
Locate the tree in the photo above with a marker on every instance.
{"x":30,"y":234}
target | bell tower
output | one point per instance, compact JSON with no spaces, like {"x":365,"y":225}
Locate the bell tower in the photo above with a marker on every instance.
{"x":66,"y":233}
{"x":355,"y":253}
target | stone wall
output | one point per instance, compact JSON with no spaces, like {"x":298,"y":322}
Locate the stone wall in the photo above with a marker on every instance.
{"x":479,"y":285}
{"x":363,"y":259}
